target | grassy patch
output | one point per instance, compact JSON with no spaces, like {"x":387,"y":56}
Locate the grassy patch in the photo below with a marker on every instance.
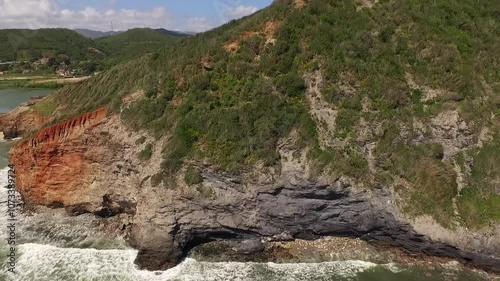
{"x":146,"y":153}
{"x":479,"y":202}
{"x":192,"y":176}
{"x":432,"y":180}
{"x":140,"y":140}
{"x":46,"y":107}
{"x":435,"y":187}
{"x":476,"y":209}
{"x":346,"y":162}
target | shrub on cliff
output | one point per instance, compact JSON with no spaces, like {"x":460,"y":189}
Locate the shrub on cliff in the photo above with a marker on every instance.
{"x":146,"y":153}
{"x":192,"y":176}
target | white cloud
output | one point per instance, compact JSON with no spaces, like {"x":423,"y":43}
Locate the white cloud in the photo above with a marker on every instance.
{"x":47,"y":13}
{"x":239,"y":12}
{"x":36,"y":14}
{"x":196,"y":24}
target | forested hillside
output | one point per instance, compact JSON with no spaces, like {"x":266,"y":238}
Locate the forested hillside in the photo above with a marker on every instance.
{"x":401,"y":95}
{"x":135,"y":43}
{"x":31,"y":45}
{"x":21,"y":48}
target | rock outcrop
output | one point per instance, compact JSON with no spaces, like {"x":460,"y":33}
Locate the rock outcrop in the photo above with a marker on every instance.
{"x":53,"y":173}
{"x":90,"y":164}
{"x":302,"y":209}
{"x":20,"y":121}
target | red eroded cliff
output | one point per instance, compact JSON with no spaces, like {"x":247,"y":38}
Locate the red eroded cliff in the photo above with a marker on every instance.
{"x":67,"y":129}
{"x":52,"y":165}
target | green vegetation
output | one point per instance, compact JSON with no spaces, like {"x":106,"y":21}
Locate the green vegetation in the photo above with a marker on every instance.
{"x":432,"y":180}
{"x":192,"y":176}
{"x":140,"y":140}
{"x":46,"y":107}
{"x":233,"y":112}
{"x":479,"y":202}
{"x":146,"y":153}
{"x":134,"y":43}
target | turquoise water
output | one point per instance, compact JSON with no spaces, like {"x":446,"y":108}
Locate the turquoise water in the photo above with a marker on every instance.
{"x":52,"y":248}
{"x":10,"y":99}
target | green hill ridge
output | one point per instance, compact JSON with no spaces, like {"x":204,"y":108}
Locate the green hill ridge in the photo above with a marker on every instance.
{"x":134,"y":43}
{"x":412,"y":88}
{"x":64,"y":45}
{"x":30,"y":45}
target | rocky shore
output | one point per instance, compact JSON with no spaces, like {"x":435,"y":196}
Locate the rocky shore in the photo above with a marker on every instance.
{"x":22,"y":120}
{"x":89,"y":164}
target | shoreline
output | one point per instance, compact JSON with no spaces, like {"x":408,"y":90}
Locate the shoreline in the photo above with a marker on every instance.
{"x":329,"y":249}
{"x":38,"y":82}
{"x":400,"y":234}
{"x":300,"y":252}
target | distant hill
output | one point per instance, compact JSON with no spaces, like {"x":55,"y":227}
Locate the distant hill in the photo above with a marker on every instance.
{"x":30,"y":45}
{"x":173,"y":33}
{"x":77,"y":46}
{"x":135,"y":43}
{"x":94,"y":34}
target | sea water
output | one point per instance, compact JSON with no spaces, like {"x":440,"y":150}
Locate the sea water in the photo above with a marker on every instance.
{"x":10,"y":99}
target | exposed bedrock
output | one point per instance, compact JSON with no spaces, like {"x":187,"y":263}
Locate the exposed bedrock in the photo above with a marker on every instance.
{"x":20,"y":121}
{"x":89,"y":164}
{"x":306,"y":211}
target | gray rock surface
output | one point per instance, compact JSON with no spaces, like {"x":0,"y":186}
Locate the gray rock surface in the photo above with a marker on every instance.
{"x":306,"y":210}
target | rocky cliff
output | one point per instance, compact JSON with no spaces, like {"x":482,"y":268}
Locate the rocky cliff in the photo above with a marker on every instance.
{"x":20,"y":121}
{"x":90,"y":164}
{"x":53,"y":172}
{"x":310,"y":118}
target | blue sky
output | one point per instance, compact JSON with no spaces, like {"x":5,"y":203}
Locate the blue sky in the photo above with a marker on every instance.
{"x":184,"y":15}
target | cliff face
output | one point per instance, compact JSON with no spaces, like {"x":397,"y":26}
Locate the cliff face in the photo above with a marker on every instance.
{"x":381,"y":132}
{"x":90,"y":164}
{"x":20,"y":121}
{"x":52,"y":173}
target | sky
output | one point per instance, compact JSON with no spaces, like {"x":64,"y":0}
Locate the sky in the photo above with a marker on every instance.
{"x":179,"y":15}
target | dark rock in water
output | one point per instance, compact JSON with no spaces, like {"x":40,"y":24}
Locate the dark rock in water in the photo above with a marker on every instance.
{"x":155,"y":249}
{"x":252,"y":250}
{"x":113,"y":205}
{"x":248,"y":247}
{"x":37,"y":98}
{"x":11,"y":133}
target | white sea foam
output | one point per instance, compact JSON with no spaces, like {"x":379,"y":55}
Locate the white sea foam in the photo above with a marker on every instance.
{"x":3,"y":198}
{"x":394,"y":268}
{"x":44,"y":263}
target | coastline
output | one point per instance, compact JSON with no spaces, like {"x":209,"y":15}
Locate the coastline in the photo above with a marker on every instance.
{"x":303,"y":191}
{"x":329,"y":249}
{"x":37,"y":82}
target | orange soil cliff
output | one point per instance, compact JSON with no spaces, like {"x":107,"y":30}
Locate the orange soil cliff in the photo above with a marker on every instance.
{"x":52,"y":165}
